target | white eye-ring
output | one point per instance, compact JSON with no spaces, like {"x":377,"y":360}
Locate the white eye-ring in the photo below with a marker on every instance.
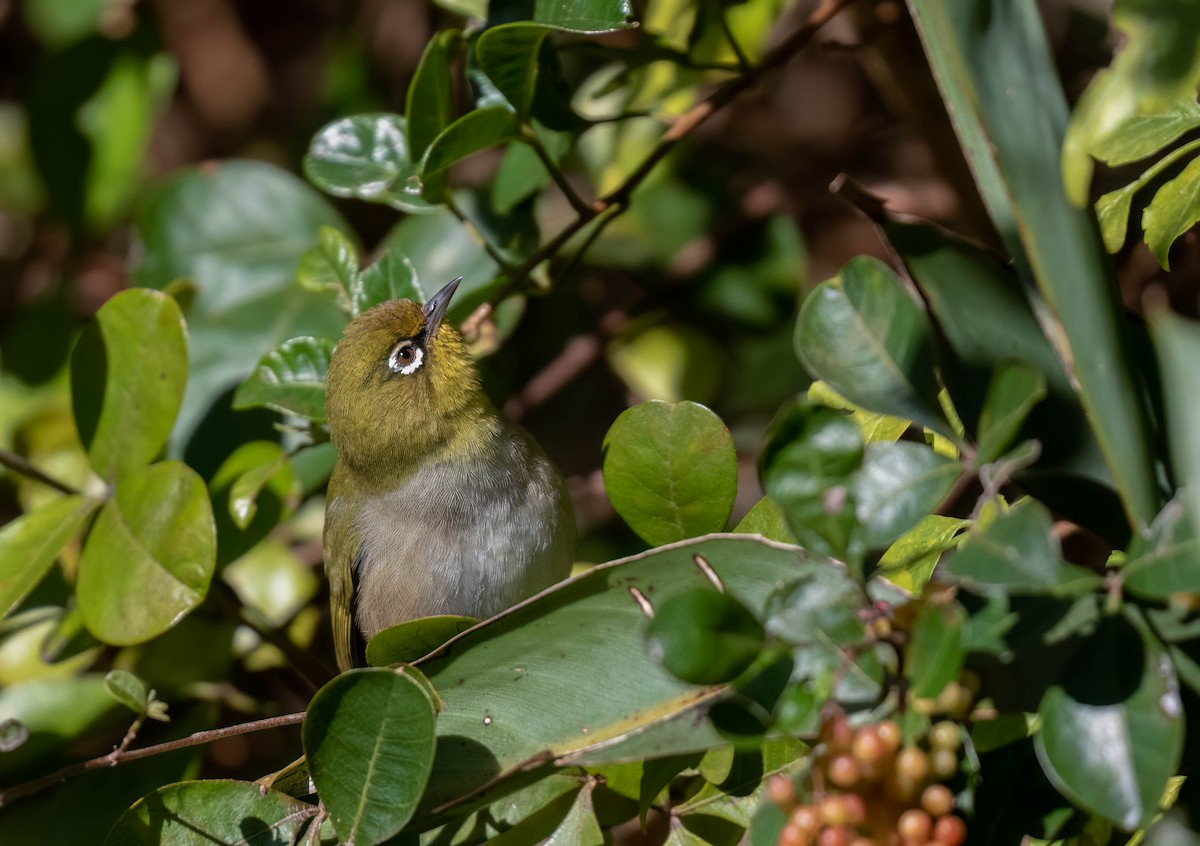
{"x":406,"y":358}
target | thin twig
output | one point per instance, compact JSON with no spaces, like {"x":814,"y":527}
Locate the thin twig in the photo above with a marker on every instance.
{"x":577,"y":202}
{"x":20,"y":465}
{"x":743,"y":62}
{"x":496,"y":255}
{"x":199,"y":738}
{"x":677,"y":131}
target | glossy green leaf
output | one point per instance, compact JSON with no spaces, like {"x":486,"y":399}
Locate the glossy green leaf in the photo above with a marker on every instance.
{"x":579,"y":827}
{"x":909,"y":562}
{"x":1109,"y":741}
{"x":149,"y":557}
{"x":252,"y":492}
{"x":429,"y":106}
{"x":473,"y":132}
{"x":237,"y":230}
{"x":1172,"y":212}
{"x":127,"y":689}
{"x":1144,"y":134}
{"x":369,"y":741}
{"x":1165,"y":560}
{"x":807,"y":464}
{"x":366,"y":157}
{"x":128,"y":372}
{"x":581,"y":645}
{"x":570,"y":15}
{"x":1112,"y":211}
{"x":875,"y":427}
{"x":766,"y":518}
{"x":1006,"y":104}
{"x":216,"y":812}
{"x":332,"y":264}
{"x":864,"y":335}
{"x":704,"y":636}
{"x":414,"y":639}
{"x":1018,"y":551}
{"x":29,"y":545}
{"x":290,"y":379}
{"x":508,"y":54}
{"x":1016,"y":387}
{"x":391,"y":277}
{"x":1177,"y":346}
{"x":935,"y":654}
{"x":823,"y":607}
{"x":898,"y":484}
{"x":670,"y":470}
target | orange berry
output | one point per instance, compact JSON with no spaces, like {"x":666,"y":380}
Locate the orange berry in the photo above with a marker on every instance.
{"x":943,"y":763}
{"x":835,"y":835}
{"x":912,"y":764}
{"x":805,"y":818}
{"x":937,"y":800}
{"x":843,"y":771}
{"x":789,"y":835}
{"x":914,"y":827}
{"x":837,"y":733}
{"x":868,"y":746}
{"x":855,"y":808}
{"x":889,"y":733}
{"x":944,"y":735}
{"x":863,"y":841}
{"x":833,"y":810}
{"x":782,"y":791}
{"x":950,"y":831}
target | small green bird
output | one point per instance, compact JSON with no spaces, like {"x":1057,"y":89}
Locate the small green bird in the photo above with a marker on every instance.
{"x":438,"y":504}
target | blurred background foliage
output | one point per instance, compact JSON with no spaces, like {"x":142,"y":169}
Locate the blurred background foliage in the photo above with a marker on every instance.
{"x":112,"y":113}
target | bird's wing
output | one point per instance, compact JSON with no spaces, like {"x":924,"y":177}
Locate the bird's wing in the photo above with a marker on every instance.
{"x":343,"y":549}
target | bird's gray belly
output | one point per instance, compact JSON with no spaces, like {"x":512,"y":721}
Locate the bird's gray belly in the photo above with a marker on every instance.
{"x":454,"y":541}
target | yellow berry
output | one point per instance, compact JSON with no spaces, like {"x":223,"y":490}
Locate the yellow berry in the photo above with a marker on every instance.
{"x":914,"y":827}
{"x":943,"y":763}
{"x":944,"y":735}
{"x":937,"y":800}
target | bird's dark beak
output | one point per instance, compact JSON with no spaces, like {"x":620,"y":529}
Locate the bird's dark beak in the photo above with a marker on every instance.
{"x":435,"y":309}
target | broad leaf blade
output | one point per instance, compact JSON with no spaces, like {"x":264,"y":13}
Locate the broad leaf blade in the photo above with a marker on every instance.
{"x":898,"y":484}
{"x":473,"y":132}
{"x":569,"y":15}
{"x":290,"y":379}
{"x":1016,"y":387}
{"x":30,"y":544}
{"x":366,"y":157}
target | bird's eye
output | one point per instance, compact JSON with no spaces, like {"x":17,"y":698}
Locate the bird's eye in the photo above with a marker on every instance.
{"x":406,"y":358}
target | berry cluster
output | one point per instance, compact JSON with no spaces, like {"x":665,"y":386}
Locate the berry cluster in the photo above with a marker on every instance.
{"x":868,"y":789}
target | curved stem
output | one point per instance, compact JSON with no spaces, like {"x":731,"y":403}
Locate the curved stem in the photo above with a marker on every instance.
{"x":20,"y":465}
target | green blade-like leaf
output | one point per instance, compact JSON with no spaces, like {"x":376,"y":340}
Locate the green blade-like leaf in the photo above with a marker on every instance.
{"x":1110,"y":741}
{"x":569,"y":15}
{"x":149,"y":557}
{"x":704,"y":636}
{"x":366,"y":157}
{"x":1177,"y":344}
{"x":430,"y":101}
{"x":369,"y":740}
{"x":414,"y":639}
{"x":898,"y":484}
{"x":909,"y":562}
{"x":1173,"y":211}
{"x":290,"y":379}
{"x":670,"y":470}
{"x":217,"y":812}
{"x":237,"y":230}
{"x":996,"y":73}
{"x":30,"y":544}
{"x":935,"y":654}
{"x":863,"y":334}
{"x":1018,"y":551}
{"x":1016,"y":387}
{"x":128,"y":372}
{"x":473,"y":132}
{"x":807,"y":466}
{"x":508,"y":54}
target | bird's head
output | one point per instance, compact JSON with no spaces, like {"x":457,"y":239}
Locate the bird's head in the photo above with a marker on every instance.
{"x":401,"y":384}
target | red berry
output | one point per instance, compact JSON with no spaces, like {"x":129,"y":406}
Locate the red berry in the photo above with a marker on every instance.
{"x":835,"y":835}
{"x":792,"y":836}
{"x":855,"y":808}
{"x":914,"y":826}
{"x":843,"y":771}
{"x":950,"y":831}
{"x":781,"y":791}
{"x":937,"y":800}
{"x":868,"y":746}
{"x":837,"y":733}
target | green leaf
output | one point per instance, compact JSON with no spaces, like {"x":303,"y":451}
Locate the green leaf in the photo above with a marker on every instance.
{"x":149,"y":557}
{"x":898,"y":484}
{"x":864,"y":335}
{"x":935,"y":654}
{"x":997,"y":76}
{"x":29,"y":545}
{"x":569,"y":15}
{"x":909,"y":562}
{"x":128,"y":689}
{"x":246,"y":488}
{"x":215,"y":812}
{"x":1177,"y":346}
{"x":1109,"y":741}
{"x":704,"y":636}
{"x":1172,"y":212}
{"x":128,"y":372}
{"x":391,"y":277}
{"x":670,"y":470}
{"x":253,"y":491}
{"x":823,"y":607}
{"x":1144,"y":134}
{"x":369,"y":740}
{"x":1112,"y":210}
{"x":414,"y":639}
{"x":875,"y":427}
{"x":429,"y":106}
{"x":1165,"y":559}
{"x":508,"y":54}
{"x":766,"y":519}
{"x":366,"y":157}
{"x":332,"y":264}
{"x":806,"y":465}
{"x":473,"y":132}
{"x":1016,"y":387}
{"x":290,"y":379}
{"x":237,"y":230}
{"x":1018,"y":551}
{"x":579,"y":827}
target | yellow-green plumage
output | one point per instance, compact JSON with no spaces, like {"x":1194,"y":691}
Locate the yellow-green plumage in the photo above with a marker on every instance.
{"x":437,"y":504}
